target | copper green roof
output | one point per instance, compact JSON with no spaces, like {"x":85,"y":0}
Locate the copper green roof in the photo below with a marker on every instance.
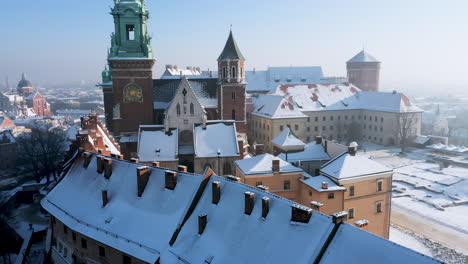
{"x":231,"y":51}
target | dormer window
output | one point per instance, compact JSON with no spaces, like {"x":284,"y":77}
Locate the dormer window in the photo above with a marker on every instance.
{"x":130,"y":32}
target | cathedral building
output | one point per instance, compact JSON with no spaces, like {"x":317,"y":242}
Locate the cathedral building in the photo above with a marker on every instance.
{"x":133,"y":99}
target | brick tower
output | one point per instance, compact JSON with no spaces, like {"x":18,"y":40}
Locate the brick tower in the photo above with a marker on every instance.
{"x":364,"y":71}
{"x":231,"y":85}
{"x":131,"y":63}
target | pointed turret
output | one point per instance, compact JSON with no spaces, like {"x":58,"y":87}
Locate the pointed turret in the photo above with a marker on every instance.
{"x":231,"y":51}
{"x":364,"y":71}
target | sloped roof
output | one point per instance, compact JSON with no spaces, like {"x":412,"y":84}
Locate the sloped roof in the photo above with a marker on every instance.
{"x":315,"y":182}
{"x":363,"y":56}
{"x":231,"y":236}
{"x":376,"y":101}
{"x":143,"y":226}
{"x":262,"y":164}
{"x":311,"y":152}
{"x":205,"y":89}
{"x":231,"y":51}
{"x":208,"y":141}
{"x":352,"y":245}
{"x":347,"y":166}
{"x":287,"y":139}
{"x":314,"y":97}
{"x":275,"y":106}
{"x":24,"y":82}
{"x":154,"y":144}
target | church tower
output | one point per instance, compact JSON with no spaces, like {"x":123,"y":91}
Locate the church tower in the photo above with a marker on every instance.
{"x":231,"y":85}
{"x":364,"y":71}
{"x":131,"y":63}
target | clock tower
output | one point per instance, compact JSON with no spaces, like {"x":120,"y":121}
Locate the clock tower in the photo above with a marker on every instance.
{"x":131,"y":63}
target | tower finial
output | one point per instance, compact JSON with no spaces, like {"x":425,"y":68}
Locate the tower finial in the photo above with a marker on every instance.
{"x":231,"y":28}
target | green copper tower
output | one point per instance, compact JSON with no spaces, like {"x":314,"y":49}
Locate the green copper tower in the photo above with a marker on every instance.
{"x":131,"y":38}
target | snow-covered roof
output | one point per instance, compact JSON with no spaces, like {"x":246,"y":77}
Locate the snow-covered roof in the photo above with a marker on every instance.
{"x":314,"y":97}
{"x":208,"y":142}
{"x":448,"y":148}
{"x":262,"y":164}
{"x":376,"y":101}
{"x":352,"y":245}
{"x":363,"y":56}
{"x":107,"y":142}
{"x":315,"y":182}
{"x":8,"y":136}
{"x":312,"y":152}
{"x":421,"y":139}
{"x":138,"y":226}
{"x":347,"y":166}
{"x":287,"y":140}
{"x":155,"y":144}
{"x":275,"y":106}
{"x":230,"y":236}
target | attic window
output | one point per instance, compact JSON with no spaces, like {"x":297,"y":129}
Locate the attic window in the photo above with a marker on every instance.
{"x":130,"y":32}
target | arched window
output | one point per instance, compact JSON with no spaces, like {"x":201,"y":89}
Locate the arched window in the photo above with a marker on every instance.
{"x":234,"y":72}
{"x":178,"y":109}
{"x":227,"y":168}
{"x":224,"y":72}
{"x":191,"y":109}
{"x":233,"y":117}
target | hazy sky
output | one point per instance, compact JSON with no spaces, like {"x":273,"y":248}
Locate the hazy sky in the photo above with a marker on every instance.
{"x":422,"y":43}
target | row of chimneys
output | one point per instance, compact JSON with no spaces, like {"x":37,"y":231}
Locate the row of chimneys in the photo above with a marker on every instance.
{"x":190,"y":68}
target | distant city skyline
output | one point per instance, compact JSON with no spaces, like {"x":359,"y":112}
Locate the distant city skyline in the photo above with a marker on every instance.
{"x":422,"y":44}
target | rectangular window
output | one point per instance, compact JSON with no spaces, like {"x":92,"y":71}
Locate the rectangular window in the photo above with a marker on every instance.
{"x":324,"y":119}
{"x":281,"y":128}
{"x":296,"y":127}
{"x":84,"y":243}
{"x":308,"y":119}
{"x":258,"y":183}
{"x":351,"y":191}
{"x":351,"y":213}
{"x":316,"y":129}
{"x":331,"y":118}
{"x":308,"y":129}
{"x":234,"y":72}
{"x":346,"y":117}
{"x":74,"y":236}
{"x":287,"y":185}
{"x":331,"y":195}
{"x":102,"y":251}
{"x":233,"y":95}
{"x":224,"y":72}
{"x":316,"y":119}
{"x":65,"y":229}
{"x":331,"y":127}
{"x":127,"y":260}
{"x":130,"y":32}
{"x":378,"y":208}
{"x":379,"y":185}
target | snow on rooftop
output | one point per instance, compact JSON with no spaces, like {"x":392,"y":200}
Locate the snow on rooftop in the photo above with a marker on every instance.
{"x":231,"y":236}
{"x":348,"y":166}
{"x":157,"y":145}
{"x":138,"y":226}
{"x":108,"y":143}
{"x":262,"y":164}
{"x":287,"y":139}
{"x":208,"y":142}
{"x":315,"y":182}
{"x":275,"y":106}
{"x":363,"y":56}
{"x":352,"y":245}
{"x":312,"y":152}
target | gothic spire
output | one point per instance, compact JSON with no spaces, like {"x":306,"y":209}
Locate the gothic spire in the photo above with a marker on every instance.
{"x":231,"y":51}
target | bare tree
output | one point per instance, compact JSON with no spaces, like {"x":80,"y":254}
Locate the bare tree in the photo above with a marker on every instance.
{"x":43,"y":148}
{"x":405,"y":129}
{"x":354,"y":132}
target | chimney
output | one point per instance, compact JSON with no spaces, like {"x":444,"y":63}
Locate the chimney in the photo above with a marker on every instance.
{"x":258,"y":149}
{"x":265,"y":206}
{"x":233,"y":178}
{"x":105,"y":198}
{"x":156,"y":164}
{"x":339,"y":217}
{"x":264,"y":188}
{"x":318,"y":140}
{"x":325,"y":147}
{"x":107,"y":167}
{"x":325,"y":185}
{"x":211,"y":74}
{"x":100,"y":164}
{"x":240,"y":144}
{"x":215,"y":192}
{"x":202,"y":220}
{"x":134,"y":160}
{"x":352,"y":150}
{"x":300,"y":213}
{"x":143,"y":174}
{"x":275,"y":167}
{"x":316,"y":205}
{"x":362,"y":224}
{"x":182,"y":168}
{"x":249,"y":202}
{"x":171,"y":179}
{"x":86,"y":159}
{"x":317,"y":172}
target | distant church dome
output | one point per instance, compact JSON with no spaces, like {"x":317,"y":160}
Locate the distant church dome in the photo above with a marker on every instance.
{"x":24,"y":82}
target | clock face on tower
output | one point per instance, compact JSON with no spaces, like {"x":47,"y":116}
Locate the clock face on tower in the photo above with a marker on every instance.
{"x":133,"y":93}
